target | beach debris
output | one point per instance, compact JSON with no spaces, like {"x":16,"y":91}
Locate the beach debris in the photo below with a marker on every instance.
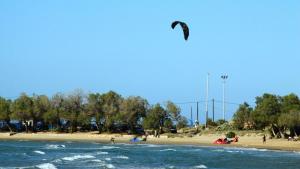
{"x":184,"y":27}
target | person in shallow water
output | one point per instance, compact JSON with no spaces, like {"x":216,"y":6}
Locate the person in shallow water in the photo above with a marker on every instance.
{"x":112,"y":140}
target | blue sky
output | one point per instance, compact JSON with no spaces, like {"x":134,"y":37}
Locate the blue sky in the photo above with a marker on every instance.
{"x":129,"y":47}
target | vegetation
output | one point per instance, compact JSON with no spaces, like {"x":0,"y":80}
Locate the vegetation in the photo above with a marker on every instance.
{"x":280,"y":115}
{"x":110,"y":112}
{"x":107,"y":112}
{"x":230,"y":134}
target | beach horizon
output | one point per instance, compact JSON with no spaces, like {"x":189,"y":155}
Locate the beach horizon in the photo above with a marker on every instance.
{"x":247,"y":141}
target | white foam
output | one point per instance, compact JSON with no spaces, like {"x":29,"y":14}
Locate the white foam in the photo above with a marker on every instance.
{"x":169,"y":149}
{"x":98,"y":161}
{"x":102,"y":153}
{"x":107,"y":159}
{"x":110,"y":166}
{"x":39,"y":152}
{"x":200,"y":166}
{"x":246,"y":149}
{"x":153,"y":145}
{"x":54,"y":146}
{"x":57,"y":161}
{"x":231,"y":151}
{"x":122,"y":157}
{"x":46,"y":166}
{"x":108,"y":147}
{"x":76,"y":157}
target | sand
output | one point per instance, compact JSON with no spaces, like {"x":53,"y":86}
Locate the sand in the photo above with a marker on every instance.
{"x":250,"y":141}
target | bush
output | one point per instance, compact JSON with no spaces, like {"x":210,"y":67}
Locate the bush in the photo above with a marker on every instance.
{"x":230,"y":134}
{"x":211,"y":123}
{"x":221,"y":122}
{"x":225,"y":127}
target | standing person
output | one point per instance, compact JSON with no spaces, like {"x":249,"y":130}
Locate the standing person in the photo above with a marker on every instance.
{"x":112,"y":140}
{"x":264,"y":139}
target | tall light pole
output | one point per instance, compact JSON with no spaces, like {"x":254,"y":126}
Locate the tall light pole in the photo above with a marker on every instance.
{"x":224,"y":77}
{"x":206,"y":102}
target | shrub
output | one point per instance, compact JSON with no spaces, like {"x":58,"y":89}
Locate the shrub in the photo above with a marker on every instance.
{"x":230,"y":134}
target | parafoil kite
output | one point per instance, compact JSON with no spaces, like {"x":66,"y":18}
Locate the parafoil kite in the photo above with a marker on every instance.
{"x":184,"y":27}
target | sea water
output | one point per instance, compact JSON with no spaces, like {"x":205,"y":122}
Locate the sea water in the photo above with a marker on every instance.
{"x":52,"y":155}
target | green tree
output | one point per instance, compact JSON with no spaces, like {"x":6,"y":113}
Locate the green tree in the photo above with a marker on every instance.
{"x":155,"y":118}
{"x":242,"y":116}
{"x":50,"y":117}
{"x":56,"y":110}
{"x":95,"y":109}
{"x":111,"y":109}
{"x":182,"y":122}
{"x":73,"y":106}
{"x":133,"y":109}
{"x":5,"y":111}
{"x":23,"y":109}
{"x":266,"y":112}
{"x":289,"y":103}
{"x":289,"y":121}
{"x":173,"y":111}
{"x":41,"y":105}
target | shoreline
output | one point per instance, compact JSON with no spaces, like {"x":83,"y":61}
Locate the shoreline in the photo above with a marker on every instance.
{"x":250,"y":141}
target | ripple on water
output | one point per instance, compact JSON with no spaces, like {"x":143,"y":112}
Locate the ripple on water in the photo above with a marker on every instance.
{"x":39,"y":152}
{"x":168,"y":149}
{"x":102,"y":153}
{"x":108,"y":147}
{"x":54,"y":146}
{"x":122,"y":157}
{"x":200,"y":166}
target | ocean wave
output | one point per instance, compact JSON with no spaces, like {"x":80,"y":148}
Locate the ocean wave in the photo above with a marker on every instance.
{"x":97,"y":160}
{"x":46,"y":166}
{"x":168,"y":149}
{"x":76,"y":157}
{"x":108,"y":159}
{"x":122,"y":157}
{"x":108,"y":147}
{"x":54,"y":146}
{"x":236,"y":151}
{"x":109,"y":166}
{"x":39,"y":152}
{"x":152,"y":145}
{"x":102,"y":153}
{"x":245,"y":149}
{"x":200,"y":166}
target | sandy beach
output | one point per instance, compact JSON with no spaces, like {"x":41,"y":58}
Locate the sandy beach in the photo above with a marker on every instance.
{"x":248,"y":141}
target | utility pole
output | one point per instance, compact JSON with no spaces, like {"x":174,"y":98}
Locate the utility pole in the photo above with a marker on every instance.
{"x":191,"y":116}
{"x":197,"y":120}
{"x":206,"y":102}
{"x":224,"y":77}
{"x":213,"y":110}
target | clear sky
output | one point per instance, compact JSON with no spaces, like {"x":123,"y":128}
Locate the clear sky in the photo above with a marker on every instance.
{"x":129,"y":47}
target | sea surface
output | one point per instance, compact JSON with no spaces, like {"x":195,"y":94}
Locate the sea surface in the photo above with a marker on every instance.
{"x":52,"y":155}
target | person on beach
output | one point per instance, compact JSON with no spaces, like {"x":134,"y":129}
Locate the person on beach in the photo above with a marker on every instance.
{"x":264,"y":139}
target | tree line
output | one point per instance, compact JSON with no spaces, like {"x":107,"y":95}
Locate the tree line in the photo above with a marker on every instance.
{"x":106,"y":112}
{"x":278,"y":114}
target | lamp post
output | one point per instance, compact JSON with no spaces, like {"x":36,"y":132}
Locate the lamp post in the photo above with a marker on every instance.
{"x":224,"y":77}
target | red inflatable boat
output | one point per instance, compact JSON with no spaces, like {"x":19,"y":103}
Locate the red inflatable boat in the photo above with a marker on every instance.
{"x":221,"y":141}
